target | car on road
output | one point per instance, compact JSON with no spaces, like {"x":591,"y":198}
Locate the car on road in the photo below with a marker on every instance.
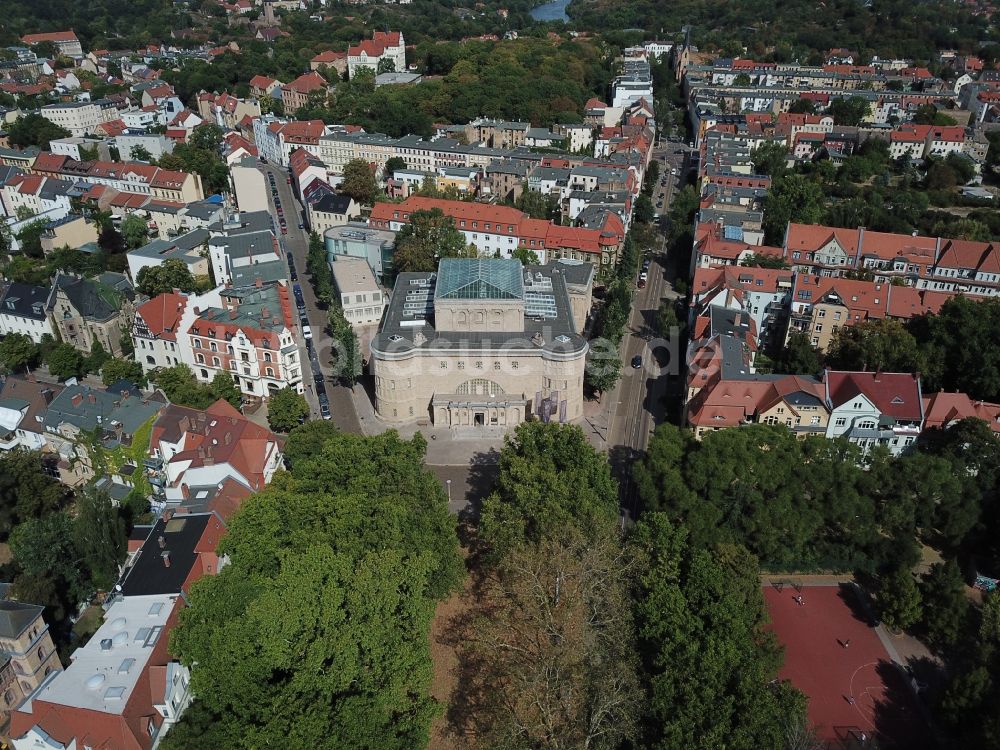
{"x":636,"y":361}
{"x":307,"y":333}
{"x":299,"y":300}
{"x":324,"y":409}
{"x":284,"y":230}
{"x":301,"y":225}
{"x":640,"y":284}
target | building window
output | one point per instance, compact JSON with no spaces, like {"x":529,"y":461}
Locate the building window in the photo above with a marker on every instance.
{"x":215,"y":362}
{"x":479,"y":365}
{"x":840,"y":422}
{"x":461,"y":365}
{"x":270,"y":372}
{"x":267,"y":356}
{"x":204,"y":373}
{"x":514,"y":364}
{"x":200,"y":359}
{"x":444,"y":365}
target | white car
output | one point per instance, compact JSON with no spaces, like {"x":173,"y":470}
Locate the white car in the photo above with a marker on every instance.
{"x":307,"y":332}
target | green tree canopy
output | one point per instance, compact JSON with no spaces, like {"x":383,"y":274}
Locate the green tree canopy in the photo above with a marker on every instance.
{"x":286,"y":409}
{"x":35,"y":130}
{"x":550,"y":477}
{"x":317,"y":631}
{"x":64,"y":362}
{"x":428,"y":236}
{"x":165,"y":277}
{"x":18,"y":352}
{"x":116,"y":369}
{"x":359,"y":182}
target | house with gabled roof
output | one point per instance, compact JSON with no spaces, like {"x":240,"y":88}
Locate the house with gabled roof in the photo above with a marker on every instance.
{"x":874,"y":408}
{"x":27,"y":656}
{"x":23,"y":310}
{"x":942,"y":410}
{"x":198,"y":451}
{"x":154,"y":331}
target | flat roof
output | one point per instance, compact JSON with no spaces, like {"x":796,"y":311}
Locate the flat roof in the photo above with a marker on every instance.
{"x":353,"y":274}
{"x":148,"y":574}
{"x":103,"y":673}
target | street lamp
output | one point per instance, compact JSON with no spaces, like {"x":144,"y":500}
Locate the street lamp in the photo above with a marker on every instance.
{"x":448,"y":483}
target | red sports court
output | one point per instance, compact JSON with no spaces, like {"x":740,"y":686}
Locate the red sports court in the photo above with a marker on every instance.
{"x":857,"y":697}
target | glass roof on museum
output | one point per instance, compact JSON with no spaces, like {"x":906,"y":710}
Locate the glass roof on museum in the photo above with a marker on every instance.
{"x":479,"y":278}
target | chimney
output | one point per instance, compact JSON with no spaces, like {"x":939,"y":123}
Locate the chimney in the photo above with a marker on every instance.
{"x":47,"y":396}
{"x":166,"y":558}
{"x":77,"y":399}
{"x":738,"y":319}
{"x":258,"y":283}
{"x":228,"y":438}
{"x":232,"y":314}
{"x":162,"y":541}
{"x":265,"y":313}
{"x":92,"y":398}
{"x":197,"y":310}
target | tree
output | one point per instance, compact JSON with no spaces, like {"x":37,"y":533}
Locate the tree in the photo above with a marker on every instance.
{"x":792,"y":197}
{"x":644,"y":211}
{"x":140,"y":153}
{"x":550,"y":477}
{"x":394,"y":163}
{"x":849,"y":111}
{"x":708,"y":659}
{"x":43,"y":547}
{"x":181,"y":387}
{"x":359,"y":182}
{"x":798,"y":356}
{"x":30,"y":238}
{"x":941,"y":176}
{"x":537,"y":205}
{"x":428,"y":236}
{"x":26,"y":489}
{"x":346,"y":350}
{"x":286,"y":409}
{"x":134,"y":230}
{"x":116,"y":369}
{"x":18,"y":352}
{"x":222,"y":386}
{"x":65,"y":362}
{"x":333,"y":577}
{"x":552,"y":647}
{"x":526,"y":255}
{"x":306,"y":441}
{"x":385,"y":65}
{"x":875,"y":345}
{"x":165,"y":277}
{"x":99,"y":536}
{"x":899,"y":603}
{"x":35,"y":130}
{"x":651,"y":177}
{"x":760,"y":260}
{"x":96,"y":359}
{"x":802,"y":107}
{"x":770,"y":158}
{"x":319,"y":270}
{"x":946,"y":608}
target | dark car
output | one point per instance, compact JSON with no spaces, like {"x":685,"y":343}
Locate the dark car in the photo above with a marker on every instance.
{"x":324,"y":410}
{"x":299,"y":300}
{"x":636,"y":361}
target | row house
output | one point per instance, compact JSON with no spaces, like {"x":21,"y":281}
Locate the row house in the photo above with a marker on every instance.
{"x":275,"y":139}
{"x":502,"y":230}
{"x":931,"y":263}
{"x":154,"y":331}
{"x":42,"y":196}
{"x":874,"y":408}
{"x":329,"y":60}
{"x":23,"y":311}
{"x":130,"y":177}
{"x":228,"y":252}
{"x":224,"y":109}
{"x":194,"y":451}
{"x":795,"y":401}
{"x":718,"y":245}
{"x":943,"y":410}
{"x":124,"y":688}
{"x":261,"y":86}
{"x":23,"y":403}
{"x":299,"y":92}
{"x":246,"y":332}
{"x":763,"y":294}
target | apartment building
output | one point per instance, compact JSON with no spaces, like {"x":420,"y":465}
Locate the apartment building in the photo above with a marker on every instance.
{"x":244,"y":331}
{"x":23,"y":310}
{"x":84,"y":311}
{"x":155,"y":329}
{"x":66,"y":42}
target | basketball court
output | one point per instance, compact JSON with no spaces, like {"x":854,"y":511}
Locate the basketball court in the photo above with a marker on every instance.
{"x":857,"y":697}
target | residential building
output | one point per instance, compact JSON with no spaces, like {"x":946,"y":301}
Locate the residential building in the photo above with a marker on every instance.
{"x":874,"y":408}
{"x":154,"y":331}
{"x":79,"y":118}
{"x":73,"y":231}
{"x":22,"y":411}
{"x":22,"y":310}
{"x":297,"y":93}
{"x":123,"y":688}
{"x":943,"y":410}
{"x":189,"y":248}
{"x":361,"y":298}
{"x":194,"y":451}
{"x":246,"y":332}
{"x":332,"y":210}
{"x":329,"y":60}
{"x":229,"y":252}
{"x":84,"y":311}
{"x":27,"y":655}
{"x":78,"y":411}
{"x":501,"y":230}
{"x":385,"y":47}
{"x":249,"y":186}
{"x":482,"y":343}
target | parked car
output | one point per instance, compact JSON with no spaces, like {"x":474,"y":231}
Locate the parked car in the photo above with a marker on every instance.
{"x":641,"y":284}
{"x":636,"y":361}
{"x":307,"y":333}
{"x":324,"y":409}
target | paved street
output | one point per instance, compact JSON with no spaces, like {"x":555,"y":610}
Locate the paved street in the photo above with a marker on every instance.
{"x":297,"y":242}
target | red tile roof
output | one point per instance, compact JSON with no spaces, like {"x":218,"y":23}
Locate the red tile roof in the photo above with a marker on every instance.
{"x":162,"y":314}
{"x":51,"y":36}
{"x":942,"y":409}
{"x":311,"y":81}
{"x":894,"y":394}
